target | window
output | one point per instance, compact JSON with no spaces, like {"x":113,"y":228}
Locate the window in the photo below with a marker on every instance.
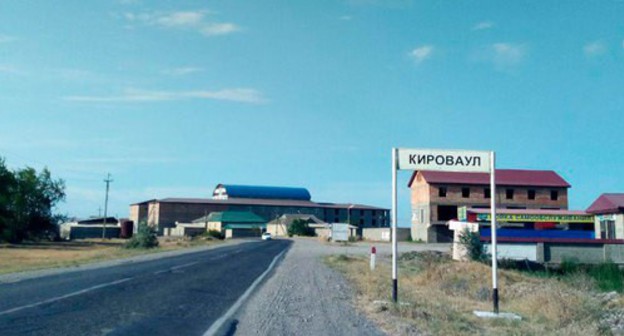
{"x":554,"y":195}
{"x":442,"y":192}
{"x":361,"y":221}
{"x":374,"y":222}
{"x":336,"y":211}
{"x":447,"y":212}
{"x":465,"y":192}
{"x":531,"y":194}
{"x":487,"y":193}
{"x":509,"y":193}
{"x":336,"y":220}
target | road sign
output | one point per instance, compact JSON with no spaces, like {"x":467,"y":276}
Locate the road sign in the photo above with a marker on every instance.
{"x":450,"y":161}
{"x":444,"y":160}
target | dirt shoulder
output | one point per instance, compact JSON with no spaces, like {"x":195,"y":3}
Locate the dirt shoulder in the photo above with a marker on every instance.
{"x":305,"y":297}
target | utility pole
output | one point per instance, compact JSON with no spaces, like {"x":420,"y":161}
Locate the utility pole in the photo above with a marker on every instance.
{"x":108,"y":181}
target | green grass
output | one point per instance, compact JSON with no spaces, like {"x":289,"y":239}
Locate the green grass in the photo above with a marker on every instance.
{"x":607,"y":276}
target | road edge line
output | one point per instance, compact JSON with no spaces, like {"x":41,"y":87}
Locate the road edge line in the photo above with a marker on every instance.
{"x":219,"y":322}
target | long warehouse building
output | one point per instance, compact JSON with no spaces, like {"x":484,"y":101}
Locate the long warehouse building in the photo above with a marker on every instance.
{"x":267,"y":202}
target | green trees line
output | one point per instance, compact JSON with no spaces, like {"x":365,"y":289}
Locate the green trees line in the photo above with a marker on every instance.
{"x":27,"y":199}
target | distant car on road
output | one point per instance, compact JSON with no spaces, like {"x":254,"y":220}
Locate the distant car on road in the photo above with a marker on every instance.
{"x":266,"y":236}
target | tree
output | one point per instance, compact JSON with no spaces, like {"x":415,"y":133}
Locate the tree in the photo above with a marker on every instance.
{"x":7,"y":186}
{"x":27,"y":200}
{"x":300,"y":227}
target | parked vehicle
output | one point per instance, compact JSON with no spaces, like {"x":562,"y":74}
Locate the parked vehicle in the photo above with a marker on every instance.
{"x":266,"y":236}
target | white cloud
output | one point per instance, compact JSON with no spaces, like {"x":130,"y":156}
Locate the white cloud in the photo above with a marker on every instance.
{"x":190,"y":20}
{"x":180,"y":19}
{"x":214,"y":29}
{"x":505,"y":55}
{"x":241,"y":95}
{"x":595,"y":48}
{"x":7,"y":38}
{"x":182,"y":71}
{"x":483,"y":25}
{"x":421,"y":53}
{"x":346,"y":18}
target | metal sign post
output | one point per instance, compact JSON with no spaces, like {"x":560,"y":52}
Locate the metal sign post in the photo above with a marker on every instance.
{"x":395,"y":282}
{"x":493,"y":231}
{"x":451,"y":161}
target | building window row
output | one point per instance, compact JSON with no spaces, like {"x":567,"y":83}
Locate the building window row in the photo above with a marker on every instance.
{"x":509,"y":193}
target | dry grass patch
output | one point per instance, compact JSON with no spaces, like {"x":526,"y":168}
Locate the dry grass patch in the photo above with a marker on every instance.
{"x":438,"y":297}
{"x":41,"y":255}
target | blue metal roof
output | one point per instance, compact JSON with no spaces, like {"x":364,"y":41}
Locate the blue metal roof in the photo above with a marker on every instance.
{"x":245,"y":191}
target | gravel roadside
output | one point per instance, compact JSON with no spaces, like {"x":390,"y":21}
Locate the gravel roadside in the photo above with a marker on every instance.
{"x":305,"y":297}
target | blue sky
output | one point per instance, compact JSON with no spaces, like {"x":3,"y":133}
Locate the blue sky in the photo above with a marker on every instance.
{"x":173,"y":97}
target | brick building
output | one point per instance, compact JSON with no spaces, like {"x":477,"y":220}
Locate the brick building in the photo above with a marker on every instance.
{"x":436,"y":196}
{"x":267,"y":202}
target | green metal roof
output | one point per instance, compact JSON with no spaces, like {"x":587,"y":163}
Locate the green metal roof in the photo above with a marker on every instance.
{"x":245,"y":226}
{"x":236,"y":217}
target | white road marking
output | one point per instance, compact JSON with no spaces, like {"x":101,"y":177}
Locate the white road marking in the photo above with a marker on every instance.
{"x":184,"y":265}
{"x":175,"y":268}
{"x":58,"y":298}
{"x":219,"y":323}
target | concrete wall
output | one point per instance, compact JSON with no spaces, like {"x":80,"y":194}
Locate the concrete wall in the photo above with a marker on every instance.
{"x":384,"y":234}
{"x":242,"y":233}
{"x":556,"y":253}
{"x":277,"y":230}
{"x":584,"y":253}
{"x":515,"y":251}
{"x":93,"y":231}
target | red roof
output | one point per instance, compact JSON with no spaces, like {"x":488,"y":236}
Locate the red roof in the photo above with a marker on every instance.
{"x":504,"y":177}
{"x":607,"y":203}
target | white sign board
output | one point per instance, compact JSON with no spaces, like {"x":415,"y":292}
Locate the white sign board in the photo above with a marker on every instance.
{"x":340,"y":232}
{"x":385,"y":235}
{"x":444,"y":160}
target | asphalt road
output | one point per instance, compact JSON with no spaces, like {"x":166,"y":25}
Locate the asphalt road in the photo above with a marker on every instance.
{"x":181,"y":295}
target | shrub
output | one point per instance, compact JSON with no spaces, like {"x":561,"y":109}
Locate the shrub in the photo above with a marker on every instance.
{"x":214,"y":234}
{"x":353,"y":239}
{"x":299,"y":227}
{"x":144,"y":238}
{"x":473,"y":245}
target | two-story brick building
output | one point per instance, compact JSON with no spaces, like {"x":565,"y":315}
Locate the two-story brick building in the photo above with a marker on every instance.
{"x":436,"y":196}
